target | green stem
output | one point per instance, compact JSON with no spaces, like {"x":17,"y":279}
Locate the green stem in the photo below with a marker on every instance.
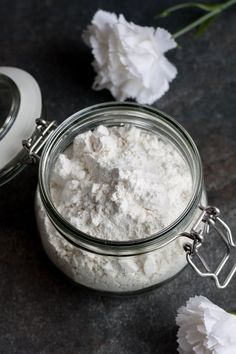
{"x":204,"y":18}
{"x":186,"y":5}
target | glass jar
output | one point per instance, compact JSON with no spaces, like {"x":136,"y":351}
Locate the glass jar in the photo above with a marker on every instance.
{"x":122,"y":266}
{"x":113,"y":266}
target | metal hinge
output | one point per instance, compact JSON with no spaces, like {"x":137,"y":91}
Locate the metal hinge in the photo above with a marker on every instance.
{"x":209,"y":217}
{"x":35,"y":143}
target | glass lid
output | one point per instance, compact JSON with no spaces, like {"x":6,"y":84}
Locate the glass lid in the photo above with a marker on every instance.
{"x":20,"y":106}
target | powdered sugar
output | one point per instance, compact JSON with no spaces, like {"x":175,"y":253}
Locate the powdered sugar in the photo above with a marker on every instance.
{"x":120,"y":183}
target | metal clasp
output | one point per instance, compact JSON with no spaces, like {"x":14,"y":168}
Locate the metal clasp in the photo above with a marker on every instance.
{"x":209,"y":217}
{"x":34,"y":144}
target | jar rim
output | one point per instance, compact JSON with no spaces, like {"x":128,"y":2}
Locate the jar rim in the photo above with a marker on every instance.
{"x":94,"y":244}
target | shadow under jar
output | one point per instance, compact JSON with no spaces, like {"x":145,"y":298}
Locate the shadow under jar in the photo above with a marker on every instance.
{"x":118,"y":266}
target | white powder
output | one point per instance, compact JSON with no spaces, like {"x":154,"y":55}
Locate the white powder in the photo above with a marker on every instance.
{"x":118,"y":183}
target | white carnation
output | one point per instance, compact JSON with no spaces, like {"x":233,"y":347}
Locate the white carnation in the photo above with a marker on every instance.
{"x":129,"y":59}
{"x":205,"y":328}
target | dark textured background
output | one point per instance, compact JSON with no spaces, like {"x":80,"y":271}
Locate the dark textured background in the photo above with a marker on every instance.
{"x":42,"y":312}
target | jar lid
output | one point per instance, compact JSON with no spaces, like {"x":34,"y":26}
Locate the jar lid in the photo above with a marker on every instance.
{"x":20,"y":106}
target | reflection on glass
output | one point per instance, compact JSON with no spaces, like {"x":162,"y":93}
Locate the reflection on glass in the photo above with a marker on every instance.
{"x":9,"y":104}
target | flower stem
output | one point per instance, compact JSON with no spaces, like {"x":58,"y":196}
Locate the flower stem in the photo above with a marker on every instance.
{"x":204,"y":18}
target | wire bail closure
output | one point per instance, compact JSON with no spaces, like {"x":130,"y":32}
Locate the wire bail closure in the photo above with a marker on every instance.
{"x":209,"y":217}
{"x":34,"y":144}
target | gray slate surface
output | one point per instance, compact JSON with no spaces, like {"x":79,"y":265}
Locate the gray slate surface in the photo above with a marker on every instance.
{"x":40,"y":310}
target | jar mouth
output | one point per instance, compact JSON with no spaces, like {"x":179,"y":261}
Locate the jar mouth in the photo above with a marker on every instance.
{"x":116,"y":114}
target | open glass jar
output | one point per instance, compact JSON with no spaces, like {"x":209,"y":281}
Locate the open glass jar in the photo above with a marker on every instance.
{"x":121,"y":266}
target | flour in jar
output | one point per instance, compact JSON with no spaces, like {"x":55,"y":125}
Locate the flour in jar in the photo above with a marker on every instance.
{"x":117,"y":183}
{"x":120,"y":183}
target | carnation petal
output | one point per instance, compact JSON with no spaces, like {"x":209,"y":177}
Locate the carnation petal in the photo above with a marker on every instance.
{"x":205,"y":328}
{"x":131,"y":88}
{"x":168,"y":68}
{"x":102,"y":19}
{"x":164,"y":40}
